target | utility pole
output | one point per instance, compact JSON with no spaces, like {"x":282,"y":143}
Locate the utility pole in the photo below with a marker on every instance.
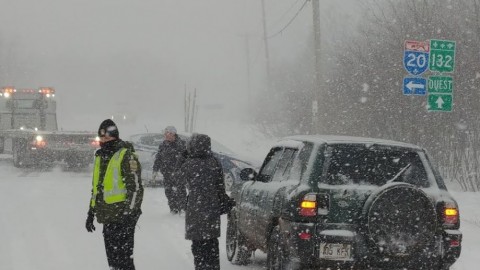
{"x":265,"y":40}
{"x":186,"y":107}
{"x":249,"y":82}
{"x":316,"y":95}
{"x":194,"y":111}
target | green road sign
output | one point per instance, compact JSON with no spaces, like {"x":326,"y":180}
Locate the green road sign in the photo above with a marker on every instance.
{"x":441,"y":103}
{"x":440,"y":84}
{"x":442,"y":55}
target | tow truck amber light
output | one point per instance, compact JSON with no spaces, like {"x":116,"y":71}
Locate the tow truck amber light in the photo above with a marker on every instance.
{"x":451,"y":215}
{"x":47,"y":91}
{"x":308,"y":206}
{"x":9,"y":90}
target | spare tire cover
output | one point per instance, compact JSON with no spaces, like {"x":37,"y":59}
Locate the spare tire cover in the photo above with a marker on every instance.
{"x":401,"y":219}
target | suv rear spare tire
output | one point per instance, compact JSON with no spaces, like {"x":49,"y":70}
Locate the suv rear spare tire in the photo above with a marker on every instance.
{"x":400,"y":220}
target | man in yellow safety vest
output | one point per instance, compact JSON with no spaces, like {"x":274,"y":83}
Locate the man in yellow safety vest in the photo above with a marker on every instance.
{"x":117,"y":194}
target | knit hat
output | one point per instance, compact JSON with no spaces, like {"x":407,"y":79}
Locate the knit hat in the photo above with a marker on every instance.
{"x":108,"y":127}
{"x":171,"y":129}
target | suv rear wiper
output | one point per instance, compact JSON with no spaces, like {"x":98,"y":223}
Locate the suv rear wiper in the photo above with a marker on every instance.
{"x":399,"y":173}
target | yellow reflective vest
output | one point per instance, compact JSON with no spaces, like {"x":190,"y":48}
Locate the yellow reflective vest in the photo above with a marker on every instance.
{"x":114,"y":189}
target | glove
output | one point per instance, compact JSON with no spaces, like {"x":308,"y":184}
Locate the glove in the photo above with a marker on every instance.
{"x":89,"y":224}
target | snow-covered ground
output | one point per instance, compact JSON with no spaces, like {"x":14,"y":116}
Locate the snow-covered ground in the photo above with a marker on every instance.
{"x":43,"y":215}
{"x":42,"y":219}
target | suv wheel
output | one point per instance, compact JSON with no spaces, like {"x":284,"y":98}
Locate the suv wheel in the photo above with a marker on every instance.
{"x":237,"y":251}
{"x":276,"y":256}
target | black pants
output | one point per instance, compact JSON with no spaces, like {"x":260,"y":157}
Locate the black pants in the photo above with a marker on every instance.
{"x":176,"y":195}
{"x":206,"y":254}
{"x":119,"y":238}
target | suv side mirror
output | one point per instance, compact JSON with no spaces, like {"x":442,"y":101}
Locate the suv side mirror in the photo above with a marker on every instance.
{"x":248,"y":174}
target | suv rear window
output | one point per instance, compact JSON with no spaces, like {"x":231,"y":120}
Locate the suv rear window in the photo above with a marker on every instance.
{"x":359,"y":164}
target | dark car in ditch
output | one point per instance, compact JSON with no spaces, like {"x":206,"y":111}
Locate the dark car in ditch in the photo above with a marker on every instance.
{"x":345,"y":202}
{"x":146,"y":146}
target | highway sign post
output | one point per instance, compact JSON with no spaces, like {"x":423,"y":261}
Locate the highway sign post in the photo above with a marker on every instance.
{"x":435,"y":55}
{"x":415,"y":56}
{"x":442,"y":55}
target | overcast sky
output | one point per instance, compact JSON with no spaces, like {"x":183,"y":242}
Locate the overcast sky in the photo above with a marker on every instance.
{"x":113,"y":56}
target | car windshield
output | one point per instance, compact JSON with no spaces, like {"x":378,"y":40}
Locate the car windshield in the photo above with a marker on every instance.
{"x":359,"y":164}
{"x":220,"y":148}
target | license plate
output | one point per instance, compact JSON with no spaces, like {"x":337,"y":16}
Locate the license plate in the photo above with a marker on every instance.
{"x":331,"y":251}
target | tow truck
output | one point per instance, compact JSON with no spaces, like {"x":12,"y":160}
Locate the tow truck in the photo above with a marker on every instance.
{"x":29,"y":130}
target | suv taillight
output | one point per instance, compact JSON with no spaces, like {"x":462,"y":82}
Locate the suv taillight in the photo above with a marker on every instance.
{"x":449,"y":214}
{"x":308,"y":206}
{"x":313,"y":204}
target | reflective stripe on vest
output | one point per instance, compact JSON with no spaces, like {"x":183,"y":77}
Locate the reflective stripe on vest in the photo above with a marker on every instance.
{"x":113,"y":186}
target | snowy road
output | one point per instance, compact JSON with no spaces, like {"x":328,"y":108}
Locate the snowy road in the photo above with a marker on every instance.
{"x":43,"y":215}
{"x":43,"y":226}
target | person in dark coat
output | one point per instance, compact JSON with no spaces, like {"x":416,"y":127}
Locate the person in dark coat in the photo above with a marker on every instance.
{"x":117,"y":195}
{"x":205,"y":181}
{"x":170,"y":156}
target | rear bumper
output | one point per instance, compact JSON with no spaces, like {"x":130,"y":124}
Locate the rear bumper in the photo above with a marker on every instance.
{"x":444,"y":250}
{"x":452,"y":246}
{"x":36,"y":155}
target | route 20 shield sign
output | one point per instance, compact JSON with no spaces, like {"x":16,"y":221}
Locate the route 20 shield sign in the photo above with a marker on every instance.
{"x":415,"y":57}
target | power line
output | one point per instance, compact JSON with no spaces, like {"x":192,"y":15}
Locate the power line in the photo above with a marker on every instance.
{"x":290,"y":22}
{"x":284,"y":14}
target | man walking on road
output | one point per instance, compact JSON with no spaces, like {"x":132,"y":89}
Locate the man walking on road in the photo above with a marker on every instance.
{"x":117,"y":195}
{"x":170,"y":157}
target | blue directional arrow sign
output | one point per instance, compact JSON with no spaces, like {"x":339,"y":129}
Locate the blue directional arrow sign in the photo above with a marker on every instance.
{"x":414,"y":86}
{"x":415,"y":56}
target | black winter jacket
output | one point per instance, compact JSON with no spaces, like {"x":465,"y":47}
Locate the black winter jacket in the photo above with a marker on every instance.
{"x":204,"y":178}
{"x":170,"y":157}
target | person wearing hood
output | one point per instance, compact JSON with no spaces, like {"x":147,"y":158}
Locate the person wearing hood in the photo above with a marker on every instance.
{"x":205,"y":186}
{"x":170,"y":156}
{"x":117,"y":195}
